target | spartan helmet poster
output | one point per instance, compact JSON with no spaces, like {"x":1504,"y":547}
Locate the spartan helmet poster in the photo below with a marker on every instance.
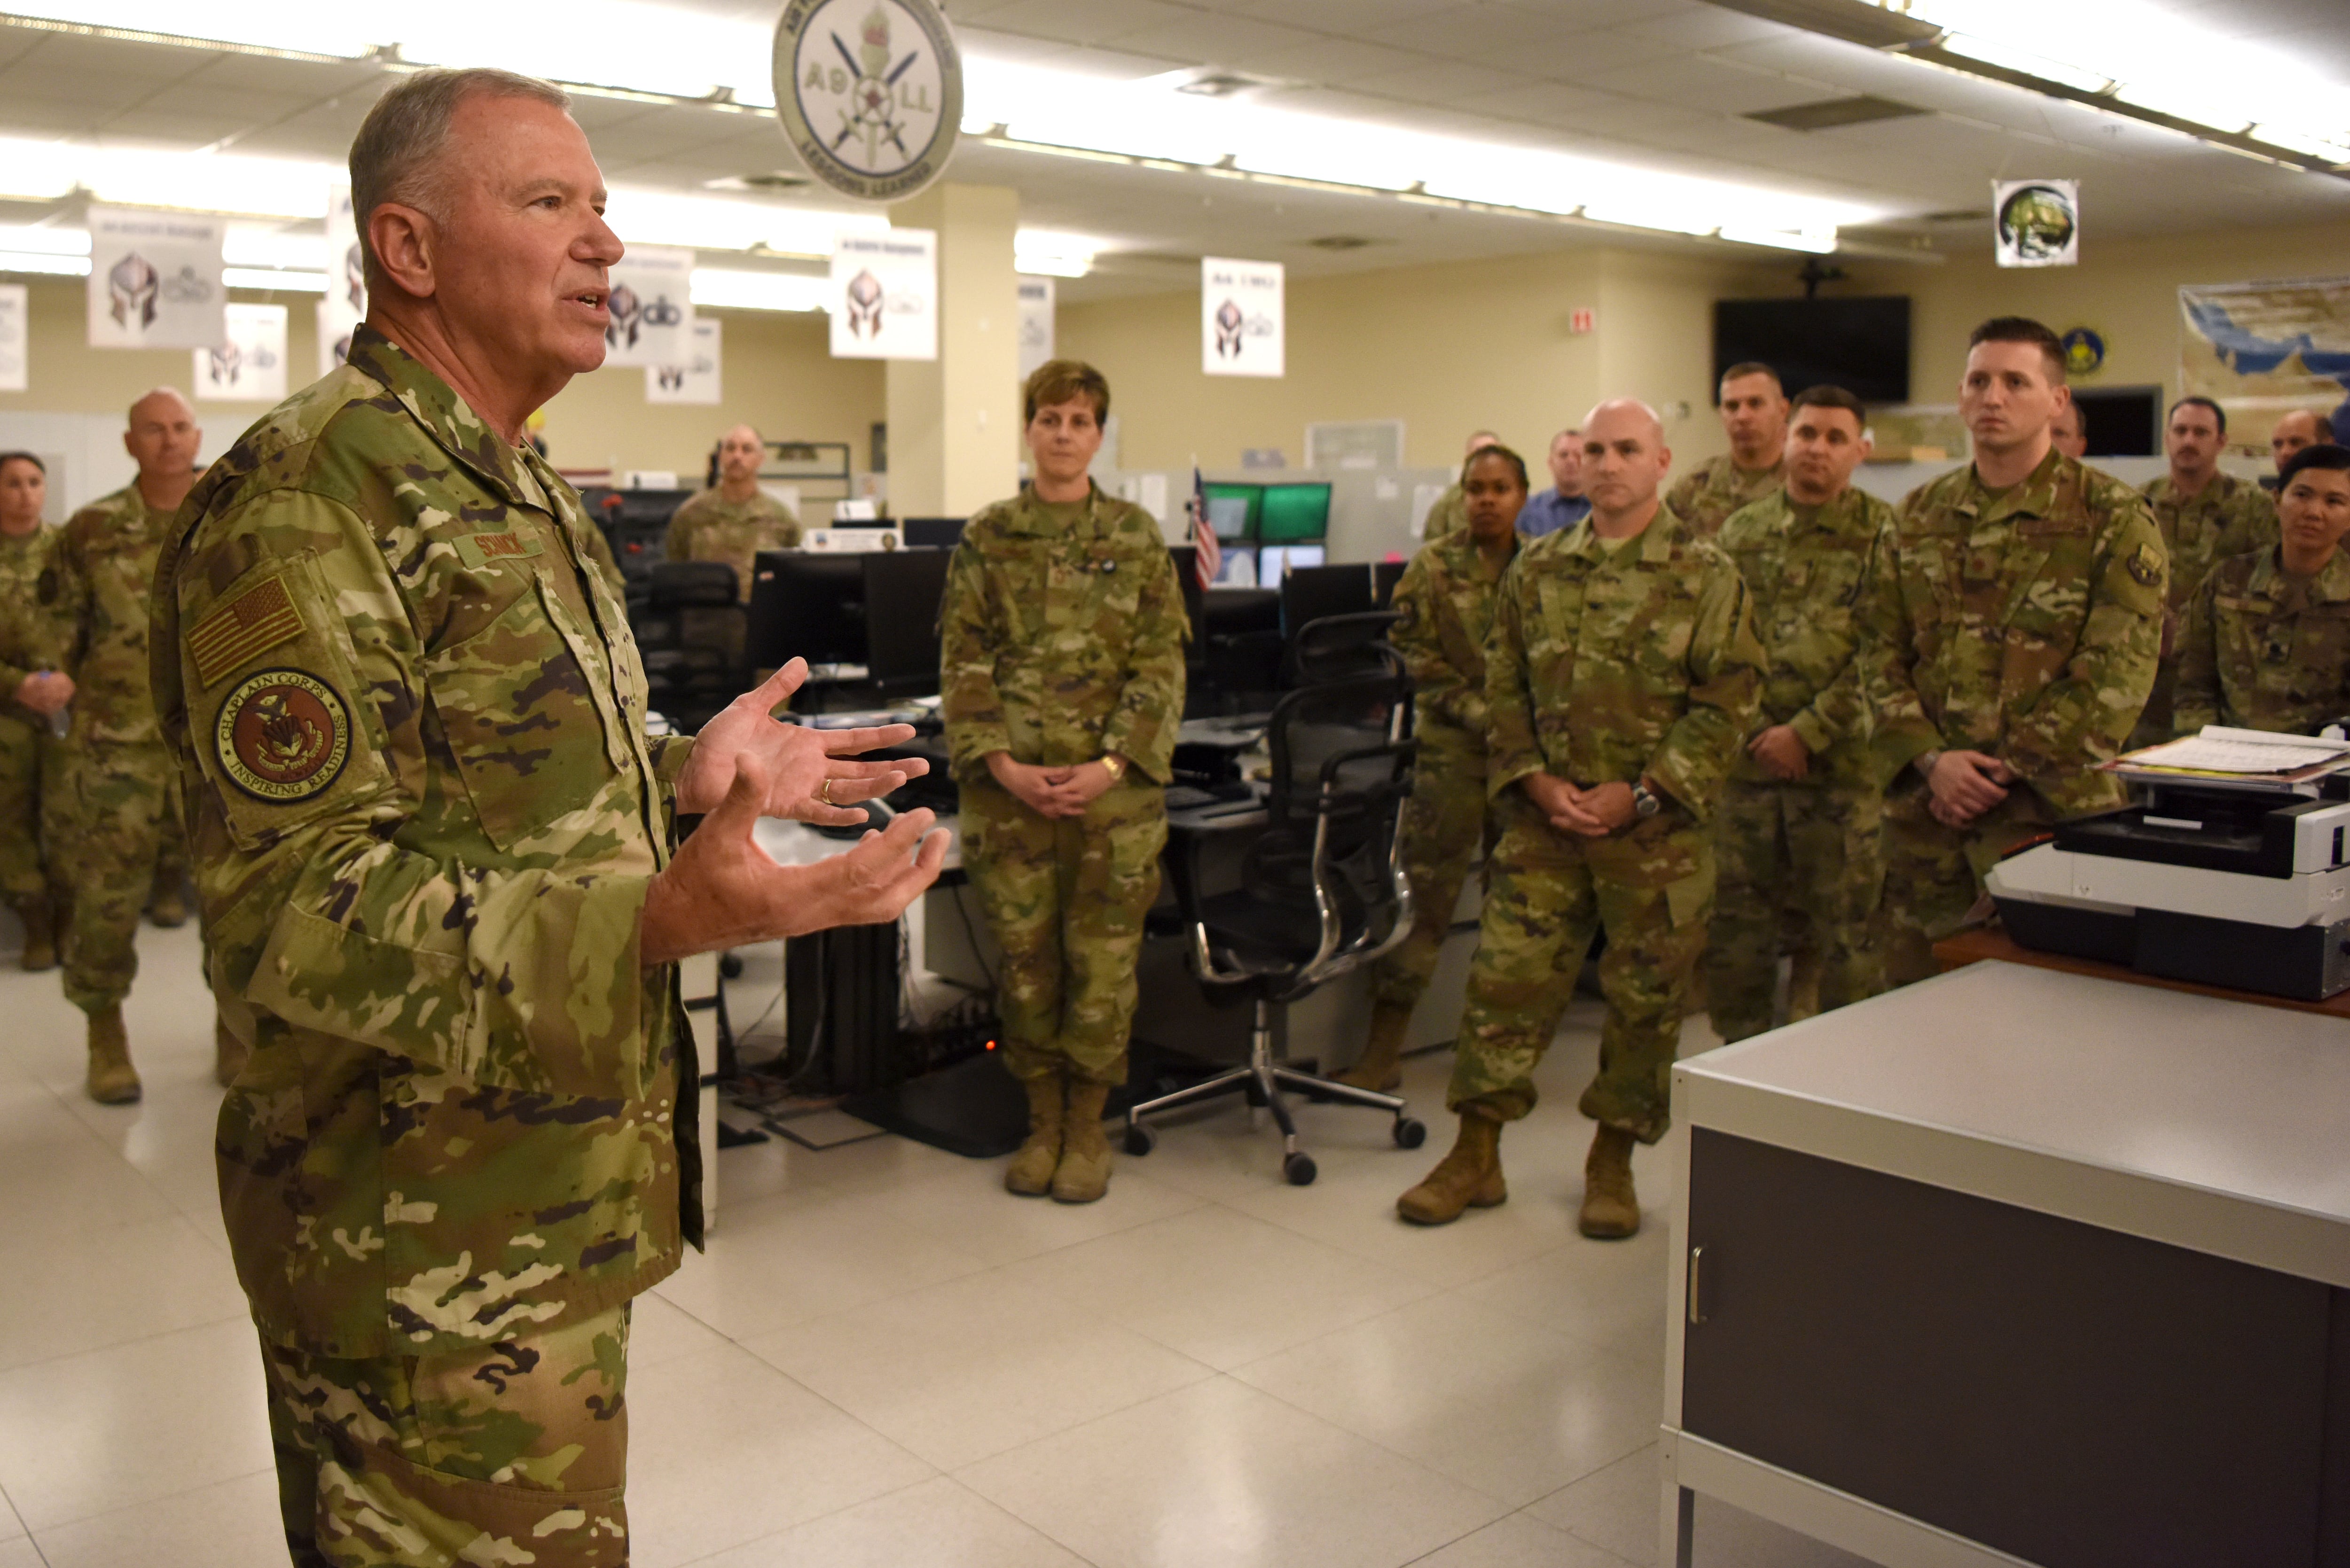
{"x":2036,"y":223}
{"x":885,"y":295}
{"x":248,"y":366}
{"x":1037,"y":323}
{"x":155,"y":279}
{"x":869,"y":92}
{"x":1239,"y":318}
{"x":345,"y":306}
{"x":650,"y":303}
{"x":697,"y":378}
{"x":14,"y":363}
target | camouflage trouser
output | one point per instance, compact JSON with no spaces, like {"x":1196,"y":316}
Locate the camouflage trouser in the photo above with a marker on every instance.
{"x":28,"y":762}
{"x":2154,"y":721}
{"x":1444,"y":822}
{"x":1650,"y":888}
{"x":104,"y":826}
{"x":172,"y":861}
{"x":1816,"y":850}
{"x":1064,"y":898}
{"x":512,"y":1454}
{"x":1933,"y":874}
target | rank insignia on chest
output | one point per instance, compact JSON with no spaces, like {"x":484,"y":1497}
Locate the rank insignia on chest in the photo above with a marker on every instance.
{"x":2145,"y":566}
{"x":283,"y":736}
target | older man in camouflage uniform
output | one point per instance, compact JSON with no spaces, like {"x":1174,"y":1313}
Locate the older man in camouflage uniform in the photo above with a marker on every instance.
{"x":33,"y":691}
{"x":1753,"y":410}
{"x":1450,"y":512}
{"x":2267,"y":645}
{"x":2031,"y":599}
{"x":1799,"y":824}
{"x":1446,"y":599}
{"x":435,"y":866}
{"x":116,"y":807}
{"x":1061,"y":681}
{"x":1621,"y":676}
{"x":2206,"y":516}
{"x":737,"y":520}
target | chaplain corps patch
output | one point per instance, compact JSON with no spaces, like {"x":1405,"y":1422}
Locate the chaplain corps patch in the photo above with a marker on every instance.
{"x":283,"y":736}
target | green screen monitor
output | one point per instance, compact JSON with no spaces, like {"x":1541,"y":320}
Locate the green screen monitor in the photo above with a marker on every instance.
{"x":1294,"y":515}
{"x":1232,"y":511}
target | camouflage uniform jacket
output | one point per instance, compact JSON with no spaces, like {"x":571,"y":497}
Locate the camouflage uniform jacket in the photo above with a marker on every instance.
{"x":2264,"y":650}
{"x":2230,"y":516}
{"x":408,"y":716}
{"x":1612,"y":659}
{"x":709,"y":527}
{"x":1826,"y":608}
{"x":1446,"y":599}
{"x":2031,"y":619}
{"x":1450,"y":514}
{"x":1707,"y":494}
{"x":28,"y":640}
{"x":1062,"y":633}
{"x":97,"y":589}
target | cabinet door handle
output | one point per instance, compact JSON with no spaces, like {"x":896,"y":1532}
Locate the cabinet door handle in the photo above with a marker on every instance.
{"x":1696,"y":1264}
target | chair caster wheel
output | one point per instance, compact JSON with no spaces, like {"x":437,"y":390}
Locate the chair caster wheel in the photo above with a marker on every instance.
{"x":1141,"y":1140}
{"x":1299,"y":1170}
{"x":730,"y":966}
{"x":1409,"y":1133}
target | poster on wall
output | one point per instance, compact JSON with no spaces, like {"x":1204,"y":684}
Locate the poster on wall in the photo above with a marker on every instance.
{"x":2036,"y":223}
{"x":2261,"y":350}
{"x":695,"y":377}
{"x":249,"y":366}
{"x":1239,"y":318}
{"x":885,"y":295}
{"x":155,"y":279}
{"x":1037,"y":323}
{"x":15,"y":357}
{"x":650,"y":302}
{"x":345,"y":306}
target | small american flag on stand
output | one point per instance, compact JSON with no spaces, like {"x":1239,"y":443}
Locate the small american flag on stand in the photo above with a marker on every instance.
{"x":1208,"y":563}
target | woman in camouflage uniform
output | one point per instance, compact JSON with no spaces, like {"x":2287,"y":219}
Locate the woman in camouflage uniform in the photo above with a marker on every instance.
{"x":31,"y":691}
{"x":1061,"y":678}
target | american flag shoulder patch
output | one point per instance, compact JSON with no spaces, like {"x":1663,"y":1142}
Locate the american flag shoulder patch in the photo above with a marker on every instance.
{"x":234,"y":634}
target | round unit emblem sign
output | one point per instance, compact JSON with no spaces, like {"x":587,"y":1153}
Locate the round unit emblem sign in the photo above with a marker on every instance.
{"x":870,"y":92}
{"x":283,"y":735}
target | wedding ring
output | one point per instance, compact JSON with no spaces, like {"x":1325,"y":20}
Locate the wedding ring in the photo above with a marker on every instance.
{"x":824,"y":791}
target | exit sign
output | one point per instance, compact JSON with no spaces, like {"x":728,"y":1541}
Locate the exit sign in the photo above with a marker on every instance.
{"x":1579,"y":322}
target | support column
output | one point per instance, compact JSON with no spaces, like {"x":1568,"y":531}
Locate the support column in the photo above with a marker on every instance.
{"x":954,"y":422}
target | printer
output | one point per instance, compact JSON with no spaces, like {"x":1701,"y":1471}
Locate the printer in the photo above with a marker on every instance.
{"x":2242,"y":884}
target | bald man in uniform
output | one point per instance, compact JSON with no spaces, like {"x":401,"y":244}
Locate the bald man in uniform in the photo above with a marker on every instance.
{"x":2298,"y":429}
{"x":737,"y":520}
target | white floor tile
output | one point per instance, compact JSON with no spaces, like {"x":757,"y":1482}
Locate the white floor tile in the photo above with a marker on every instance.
{"x":1222,"y":1476}
{"x":969,"y":1208}
{"x":1520,"y":1542}
{"x":232,"y":1524}
{"x":1609,"y":1293}
{"x":936,"y":1524}
{"x":110,"y":1285}
{"x":660,"y":1331}
{"x":11,"y":1527}
{"x":20,"y":1553}
{"x":1617,"y":1508}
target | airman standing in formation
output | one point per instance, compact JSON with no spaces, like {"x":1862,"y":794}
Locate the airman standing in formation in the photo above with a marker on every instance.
{"x":1061,"y":682}
{"x":1622,"y":677}
{"x":1446,"y":599}
{"x":2032,"y":597}
{"x":33,"y":692}
{"x":1450,"y":512}
{"x":735,"y":521}
{"x":2206,"y":516}
{"x":2067,"y":433}
{"x":1800,"y":821}
{"x":1753,"y":409}
{"x":2267,"y":644}
{"x":2301,"y":428}
{"x":117,"y":801}
{"x":1562,"y":504}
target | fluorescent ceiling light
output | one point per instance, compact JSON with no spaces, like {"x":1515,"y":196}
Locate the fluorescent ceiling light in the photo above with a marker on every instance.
{"x":1779,"y":239}
{"x":726,"y":288}
{"x":246,"y":245}
{"x":1992,"y":52}
{"x":1631,"y":216}
{"x":2299,"y":141}
{"x":272,"y":278}
{"x":2196,"y":105}
{"x":44,"y":240}
{"x":1048,"y":253}
{"x":44,"y":261}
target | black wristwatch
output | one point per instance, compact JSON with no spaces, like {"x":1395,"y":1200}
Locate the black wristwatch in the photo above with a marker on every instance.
{"x":1645,"y":802}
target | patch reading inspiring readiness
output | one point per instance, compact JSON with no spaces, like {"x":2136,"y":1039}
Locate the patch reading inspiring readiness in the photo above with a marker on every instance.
{"x":243,"y":629}
{"x":283,"y":736}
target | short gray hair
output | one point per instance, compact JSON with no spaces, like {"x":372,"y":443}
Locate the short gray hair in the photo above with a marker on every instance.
{"x":394,"y":156}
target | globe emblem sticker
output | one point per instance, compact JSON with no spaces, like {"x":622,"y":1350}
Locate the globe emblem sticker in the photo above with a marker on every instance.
{"x":869,"y":91}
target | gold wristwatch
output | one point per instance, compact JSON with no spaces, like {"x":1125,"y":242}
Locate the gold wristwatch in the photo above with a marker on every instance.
{"x":1117,"y":766}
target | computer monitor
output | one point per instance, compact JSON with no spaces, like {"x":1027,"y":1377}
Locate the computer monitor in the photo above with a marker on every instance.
{"x":1238,"y":569}
{"x":902,"y":590}
{"x":1274,"y":562}
{"x":1385,"y":576}
{"x":1232,"y":510}
{"x":931,"y":533}
{"x":805,"y":606}
{"x":1310,"y":593}
{"x":1293,"y":513}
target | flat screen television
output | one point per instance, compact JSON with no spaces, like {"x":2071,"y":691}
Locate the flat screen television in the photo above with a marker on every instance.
{"x":1861,"y":345}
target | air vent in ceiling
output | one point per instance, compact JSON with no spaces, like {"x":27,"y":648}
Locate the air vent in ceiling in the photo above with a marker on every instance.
{"x":770,"y":180}
{"x":1963,"y":215}
{"x":1224,"y":84}
{"x":1828,"y":113}
{"x":1344,"y":243}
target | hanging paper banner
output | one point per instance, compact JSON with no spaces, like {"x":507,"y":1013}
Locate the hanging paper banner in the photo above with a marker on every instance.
{"x":155,"y":279}
{"x":1035,"y":324}
{"x":345,"y":306}
{"x":2036,"y":223}
{"x":885,"y":295}
{"x":650,"y":302}
{"x":15,"y":362}
{"x":695,"y":378}
{"x":1239,"y":318}
{"x":249,"y":367}
{"x":2262,"y":351}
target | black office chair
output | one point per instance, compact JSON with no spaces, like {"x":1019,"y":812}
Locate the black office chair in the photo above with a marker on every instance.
{"x":1322,"y":892}
{"x":691,"y":638}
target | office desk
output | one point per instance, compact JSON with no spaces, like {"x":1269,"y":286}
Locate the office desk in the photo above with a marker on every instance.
{"x":2019,"y":1266}
{"x":1989,"y":943}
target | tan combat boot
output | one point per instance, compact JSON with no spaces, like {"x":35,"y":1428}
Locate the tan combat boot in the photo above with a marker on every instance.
{"x":1468,"y":1178}
{"x":113,"y":1081}
{"x":1030,"y":1174}
{"x":167,"y":903}
{"x":1083,"y":1174}
{"x":40,"y":932}
{"x":228,"y":1053}
{"x":1380,"y":1069}
{"x":1611,"y":1210}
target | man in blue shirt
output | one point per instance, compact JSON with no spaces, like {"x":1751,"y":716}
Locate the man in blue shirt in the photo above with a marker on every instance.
{"x":1564,"y":505}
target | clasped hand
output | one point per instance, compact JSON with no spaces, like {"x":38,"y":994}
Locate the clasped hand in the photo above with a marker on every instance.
{"x":1593,"y":813}
{"x":1965,"y":785}
{"x":1051,"y":791}
{"x":45,"y":692}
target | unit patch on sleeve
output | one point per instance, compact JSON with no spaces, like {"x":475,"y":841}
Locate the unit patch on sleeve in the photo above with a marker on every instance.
{"x":283,"y":736}
{"x":243,"y":629}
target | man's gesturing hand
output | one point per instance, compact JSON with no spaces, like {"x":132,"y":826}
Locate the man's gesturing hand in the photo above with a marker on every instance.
{"x":795,"y":761}
{"x":722,"y":890}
